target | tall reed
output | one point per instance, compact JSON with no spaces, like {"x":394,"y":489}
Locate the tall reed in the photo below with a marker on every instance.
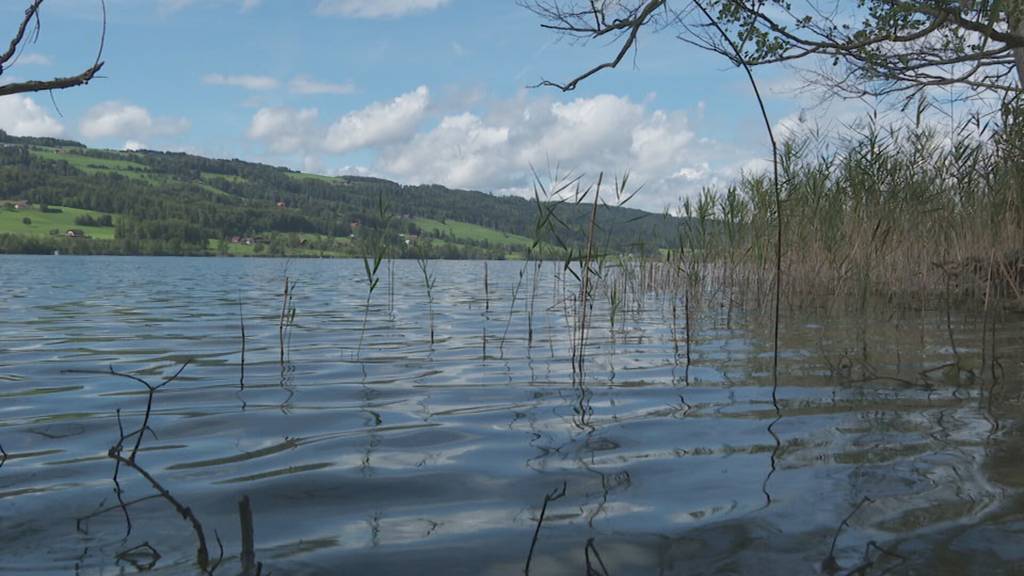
{"x":286,"y":319}
{"x":375,"y":248}
{"x":885,"y":214}
{"x":428,"y":285}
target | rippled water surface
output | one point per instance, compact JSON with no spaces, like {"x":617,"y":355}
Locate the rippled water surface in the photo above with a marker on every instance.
{"x":378,"y":452}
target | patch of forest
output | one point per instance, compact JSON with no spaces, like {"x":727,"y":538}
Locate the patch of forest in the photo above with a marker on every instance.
{"x":177,"y":203}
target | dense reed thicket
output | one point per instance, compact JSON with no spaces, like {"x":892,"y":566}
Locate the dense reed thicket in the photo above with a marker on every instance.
{"x":910,"y":213}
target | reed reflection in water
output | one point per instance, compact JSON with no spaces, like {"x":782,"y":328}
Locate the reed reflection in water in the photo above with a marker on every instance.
{"x":413,"y":453}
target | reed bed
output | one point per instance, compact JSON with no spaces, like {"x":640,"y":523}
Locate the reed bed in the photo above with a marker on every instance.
{"x":906,"y":216}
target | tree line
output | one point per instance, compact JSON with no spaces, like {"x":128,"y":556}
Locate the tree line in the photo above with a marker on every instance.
{"x":183,"y":201}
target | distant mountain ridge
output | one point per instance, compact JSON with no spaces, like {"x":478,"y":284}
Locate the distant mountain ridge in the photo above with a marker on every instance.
{"x":172,"y":202}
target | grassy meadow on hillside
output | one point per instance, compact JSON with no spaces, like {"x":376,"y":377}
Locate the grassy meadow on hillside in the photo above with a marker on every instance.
{"x":174,"y":203}
{"x":59,"y":218}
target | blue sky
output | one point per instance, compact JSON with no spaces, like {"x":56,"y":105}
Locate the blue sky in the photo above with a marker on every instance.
{"x":418,"y":91}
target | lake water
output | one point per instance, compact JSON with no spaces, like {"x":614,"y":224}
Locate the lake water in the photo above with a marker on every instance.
{"x":378,"y":452}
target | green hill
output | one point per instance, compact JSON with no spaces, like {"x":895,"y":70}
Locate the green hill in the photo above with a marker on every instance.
{"x":175,"y":203}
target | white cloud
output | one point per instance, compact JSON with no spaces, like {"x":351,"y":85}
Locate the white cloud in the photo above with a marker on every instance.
{"x":578,"y":130}
{"x":285,"y":130}
{"x":376,"y":8}
{"x":585,"y":136}
{"x":462,"y":151}
{"x":790,"y":125}
{"x":167,"y":6}
{"x":21,"y":116}
{"x":693,"y":173}
{"x":497,"y":149}
{"x":133,"y":145}
{"x":311,"y":164}
{"x":34,"y":59}
{"x":119,"y":119}
{"x":306,"y":85}
{"x":755,"y":166}
{"x":171,"y":6}
{"x":249,"y":82}
{"x":115,"y":119}
{"x":378,"y":123}
{"x":352,"y":171}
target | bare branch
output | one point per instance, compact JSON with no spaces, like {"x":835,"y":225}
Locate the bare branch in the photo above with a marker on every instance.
{"x":895,"y":47}
{"x":58,"y":83}
{"x":149,"y":402}
{"x":630,"y":26}
{"x":30,"y":13}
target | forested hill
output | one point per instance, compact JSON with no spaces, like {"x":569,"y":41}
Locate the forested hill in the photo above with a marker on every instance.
{"x":164,"y":202}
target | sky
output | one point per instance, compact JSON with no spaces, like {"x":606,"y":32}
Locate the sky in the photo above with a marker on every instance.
{"x":416,"y":91}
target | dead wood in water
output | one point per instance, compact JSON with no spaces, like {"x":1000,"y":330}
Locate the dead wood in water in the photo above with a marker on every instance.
{"x":142,"y":557}
{"x":548,"y":498}
{"x":116,"y":453}
{"x":591,"y":570}
{"x":149,"y":399}
{"x":831,"y":566}
{"x":248,"y":557}
{"x":202,"y":550}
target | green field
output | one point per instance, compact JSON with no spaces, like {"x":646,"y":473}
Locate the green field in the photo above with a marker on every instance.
{"x":44,"y":222}
{"x":233,"y":249}
{"x":91,"y":165}
{"x":212,"y":189}
{"x":229,"y":177}
{"x":307,"y":176}
{"x":464,"y":231}
{"x":456,"y":235}
{"x":126,"y":168}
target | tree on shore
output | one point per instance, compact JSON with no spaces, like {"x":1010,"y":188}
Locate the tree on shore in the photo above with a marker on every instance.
{"x":852,"y":49}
